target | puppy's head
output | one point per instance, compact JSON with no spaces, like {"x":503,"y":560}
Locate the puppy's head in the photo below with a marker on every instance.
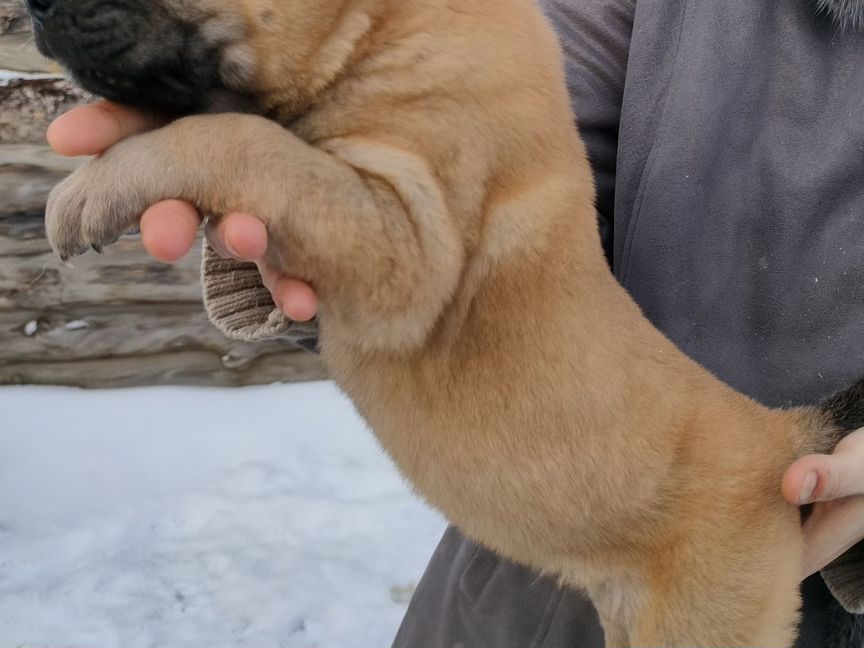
{"x":181,"y":55}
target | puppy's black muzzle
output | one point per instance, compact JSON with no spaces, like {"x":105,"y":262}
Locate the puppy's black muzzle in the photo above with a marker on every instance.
{"x":130,"y":51}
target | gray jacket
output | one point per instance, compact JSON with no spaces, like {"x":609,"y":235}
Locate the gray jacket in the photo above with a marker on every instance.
{"x":727,"y":139}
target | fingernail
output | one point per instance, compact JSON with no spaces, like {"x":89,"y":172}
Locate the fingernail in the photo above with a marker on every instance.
{"x":807,"y":488}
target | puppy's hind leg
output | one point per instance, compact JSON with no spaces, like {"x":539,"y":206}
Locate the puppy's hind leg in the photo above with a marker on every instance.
{"x":714,"y":622}
{"x":616,"y":601}
{"x":724,"y":600}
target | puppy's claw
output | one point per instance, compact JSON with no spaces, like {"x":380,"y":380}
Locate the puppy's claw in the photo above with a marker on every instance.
{"x":69,"y":253}
{"x":96,"y":248}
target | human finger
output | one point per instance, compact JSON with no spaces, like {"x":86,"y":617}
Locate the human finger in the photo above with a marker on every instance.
{"x":832,"y":528}
{"x":169,"y":229}
{"x":238,"y":236}
{"x":295,"y":298}
{"x":93,"y":128}
{"x":244,"y":237}
{"x":821,"y":477}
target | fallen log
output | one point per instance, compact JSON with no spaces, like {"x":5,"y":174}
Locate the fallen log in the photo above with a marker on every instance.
{"x":13,"y":17}
{"x":114,"y":320}
{"x":17,"y":49}
{"x":28,"y":105}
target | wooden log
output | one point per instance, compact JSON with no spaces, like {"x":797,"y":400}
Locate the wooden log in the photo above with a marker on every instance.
{"x":188,"y":368}
{"x":19,"y":53}
{"x":27,"y":175}
{"x":13,"y":17}
{"x":32,"y":277}
{"x":118,"y":319}
{"x":17,"y":50}
{"x":28,"y":105}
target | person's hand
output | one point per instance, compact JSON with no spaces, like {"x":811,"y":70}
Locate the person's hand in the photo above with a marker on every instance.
{"x":169,"y":228}
{"x":835,"y":483}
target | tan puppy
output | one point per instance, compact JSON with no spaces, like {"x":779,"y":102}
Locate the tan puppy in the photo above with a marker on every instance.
{"x":421,"y":169}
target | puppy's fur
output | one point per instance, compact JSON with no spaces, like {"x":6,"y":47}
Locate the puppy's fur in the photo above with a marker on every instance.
{"x":419,"y":166}
{"x":846,"y":14}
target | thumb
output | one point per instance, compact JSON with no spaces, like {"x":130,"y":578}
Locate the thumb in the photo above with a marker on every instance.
{"x":820,"y":478}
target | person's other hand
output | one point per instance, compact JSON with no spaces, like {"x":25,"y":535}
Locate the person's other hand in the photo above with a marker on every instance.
{"x":169,"y":228}
{"x":835,"y":485}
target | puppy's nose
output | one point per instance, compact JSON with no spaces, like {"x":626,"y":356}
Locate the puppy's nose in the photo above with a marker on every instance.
{"x":41,"y":9}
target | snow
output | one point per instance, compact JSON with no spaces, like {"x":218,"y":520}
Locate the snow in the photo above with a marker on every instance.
{"x":177,"y":517}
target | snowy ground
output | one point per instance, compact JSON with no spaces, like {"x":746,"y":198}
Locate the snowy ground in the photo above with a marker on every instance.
{"x":8,"y":75}
{"x":195,"y":517}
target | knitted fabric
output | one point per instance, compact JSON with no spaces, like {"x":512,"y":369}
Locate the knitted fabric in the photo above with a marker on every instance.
{"x":240,"y":306}
{"x":845,"y":578}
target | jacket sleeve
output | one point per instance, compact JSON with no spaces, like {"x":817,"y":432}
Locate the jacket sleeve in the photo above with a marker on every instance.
{"x":845,"y":579}
{"x":595,"y":36}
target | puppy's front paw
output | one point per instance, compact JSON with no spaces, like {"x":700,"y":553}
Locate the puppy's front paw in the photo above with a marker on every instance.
{"x":92,"y":208}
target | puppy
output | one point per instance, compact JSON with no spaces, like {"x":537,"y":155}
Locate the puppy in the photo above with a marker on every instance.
{"x":416,"y":161}
{"x":846,"y":14}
